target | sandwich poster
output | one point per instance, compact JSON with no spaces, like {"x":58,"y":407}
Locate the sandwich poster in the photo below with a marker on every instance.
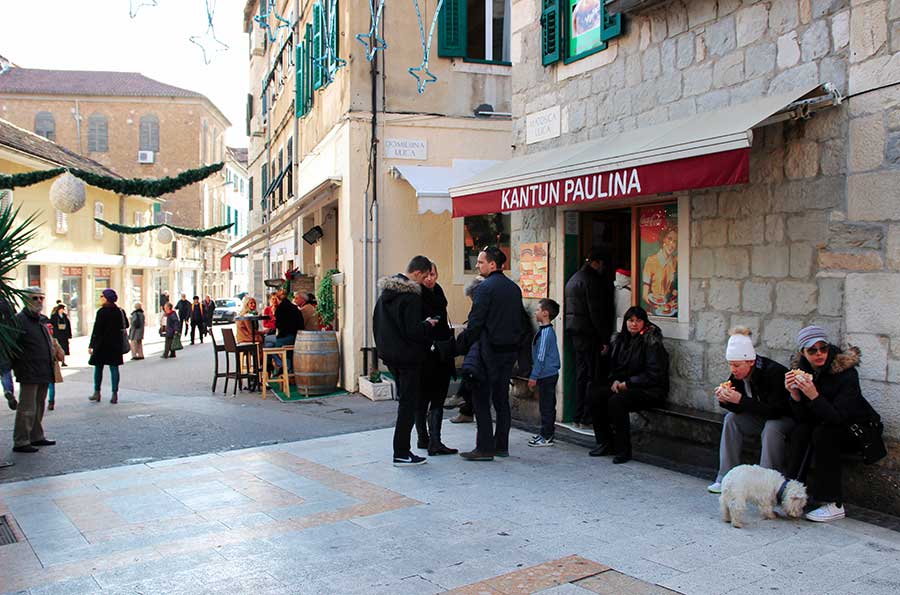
{"x":533,"y":272}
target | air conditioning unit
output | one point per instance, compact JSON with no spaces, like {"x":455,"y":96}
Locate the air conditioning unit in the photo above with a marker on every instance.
{"x":146,"y":157}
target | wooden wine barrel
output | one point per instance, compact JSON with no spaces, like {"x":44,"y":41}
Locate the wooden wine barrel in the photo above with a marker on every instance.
{"x":317,"y":362}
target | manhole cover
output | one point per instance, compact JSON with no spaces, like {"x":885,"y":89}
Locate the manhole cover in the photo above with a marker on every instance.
{"x":6,"y":533}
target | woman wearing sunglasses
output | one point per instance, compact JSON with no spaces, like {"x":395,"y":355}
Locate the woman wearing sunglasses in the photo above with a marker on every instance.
{"x":829,"y":407}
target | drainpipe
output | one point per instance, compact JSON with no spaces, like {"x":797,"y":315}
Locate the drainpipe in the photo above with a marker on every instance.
{"x":374,"y":164}
{"x":295,"y":157}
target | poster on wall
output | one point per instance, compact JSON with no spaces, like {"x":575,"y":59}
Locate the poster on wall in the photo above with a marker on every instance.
{"x":658,"y":253}
{"x":585,"y":26}
{"x":533,"y":272}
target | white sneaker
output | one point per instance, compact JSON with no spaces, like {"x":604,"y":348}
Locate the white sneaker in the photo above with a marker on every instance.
{"x":714,"y":488}
{"x":825,"y":513}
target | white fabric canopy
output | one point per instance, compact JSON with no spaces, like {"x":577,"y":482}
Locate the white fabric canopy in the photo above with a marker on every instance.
{"x":432,"y":184}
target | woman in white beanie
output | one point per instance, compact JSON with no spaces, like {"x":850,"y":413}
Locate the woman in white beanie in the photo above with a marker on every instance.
{"x":758,"y":405}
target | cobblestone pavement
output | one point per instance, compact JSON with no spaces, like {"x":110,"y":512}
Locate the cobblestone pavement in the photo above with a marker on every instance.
{"x":331,"y":515}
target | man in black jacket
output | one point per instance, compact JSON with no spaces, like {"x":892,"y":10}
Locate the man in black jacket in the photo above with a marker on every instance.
{"x":757,"y":405}
{"x":198,"y":319}
{"x":590,"y":313}
{"x":183,"y":307}
{"x":288,"y":322}
{"x":402,"y":338}
{"x":495,"y":324}
{"x":33,"y":366}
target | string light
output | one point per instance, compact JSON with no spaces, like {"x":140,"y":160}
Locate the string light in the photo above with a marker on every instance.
{"x":135,"y":5}
{"x":208,"y":42}
{"x":371,"y":40}
{"x":263,"y":21}
{"x":421,"y":73}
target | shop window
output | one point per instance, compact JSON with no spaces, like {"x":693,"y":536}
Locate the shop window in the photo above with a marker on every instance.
{"x":484,"y":230}
{"x":45,"y":125}
{"x":573,"y":29}
{"x":98,"y":133}
{"x":149,"y":133}
{"x":475,"y":30}
{"x":98,"y":214}
{"x":62,"y":222}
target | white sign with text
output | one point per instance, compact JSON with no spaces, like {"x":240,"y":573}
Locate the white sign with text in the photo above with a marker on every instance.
{"x":542,"y":125}
{"x":406,"y":148}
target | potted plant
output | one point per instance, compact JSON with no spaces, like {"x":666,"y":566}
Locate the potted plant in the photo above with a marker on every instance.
{"x":375,"y":387}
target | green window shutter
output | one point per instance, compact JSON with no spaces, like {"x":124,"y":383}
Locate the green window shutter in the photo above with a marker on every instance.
{"x":299,"y":101}
{"x":452,"y":31}
{"x":309,"y":66}
{"x":550,"y":37}
{"x":318,"y":46}
{"x":612,"y":25}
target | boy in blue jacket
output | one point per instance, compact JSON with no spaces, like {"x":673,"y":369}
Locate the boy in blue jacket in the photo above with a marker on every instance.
{"x":545,"y":370}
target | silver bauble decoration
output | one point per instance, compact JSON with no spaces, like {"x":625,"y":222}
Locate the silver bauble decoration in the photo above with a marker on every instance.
{"x":165,"y":236}
{"x":68,"y":193}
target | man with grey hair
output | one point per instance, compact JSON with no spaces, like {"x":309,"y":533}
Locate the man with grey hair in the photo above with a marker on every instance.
{"x":33,"y":366}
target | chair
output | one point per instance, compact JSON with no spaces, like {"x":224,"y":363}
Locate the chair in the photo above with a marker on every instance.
{"x":231,"y":346}
{"x":285,"y":378}
{"x":217,"y":348}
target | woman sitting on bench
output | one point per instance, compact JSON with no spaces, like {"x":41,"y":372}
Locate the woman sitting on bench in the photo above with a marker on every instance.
{"x":832,"y":415}
{"x":638,"y":379}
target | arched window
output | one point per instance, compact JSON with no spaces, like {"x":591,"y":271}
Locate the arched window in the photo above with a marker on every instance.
{"x":203,"y":143}
{"x":98,"y":135}
{"x":149,"y":139}
{"x":45,"y":126}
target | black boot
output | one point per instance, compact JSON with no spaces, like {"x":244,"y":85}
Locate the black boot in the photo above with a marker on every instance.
{"x":435,"y":447}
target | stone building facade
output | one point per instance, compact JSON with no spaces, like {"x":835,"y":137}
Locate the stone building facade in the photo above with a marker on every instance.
{"x":812,"y":238}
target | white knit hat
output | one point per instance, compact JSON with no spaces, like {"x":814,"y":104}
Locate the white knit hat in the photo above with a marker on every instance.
{"x":740,"y":349}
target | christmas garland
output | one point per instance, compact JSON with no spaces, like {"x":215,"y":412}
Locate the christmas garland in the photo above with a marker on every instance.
{"x":150,"y":187}
{"x":185,"y":231}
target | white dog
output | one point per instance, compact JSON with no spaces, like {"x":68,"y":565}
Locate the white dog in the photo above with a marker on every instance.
{"x":764,"y":487}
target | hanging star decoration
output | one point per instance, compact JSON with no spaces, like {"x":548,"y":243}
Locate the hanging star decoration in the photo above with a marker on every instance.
{"x":421,"y":73}
{"x":371,"y":40}
{"x":263,"y":21}
{"x":135,"y":5}
{"x":208,"y":43}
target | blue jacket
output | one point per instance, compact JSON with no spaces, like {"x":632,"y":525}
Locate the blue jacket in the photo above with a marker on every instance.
{"x":544,"y":353}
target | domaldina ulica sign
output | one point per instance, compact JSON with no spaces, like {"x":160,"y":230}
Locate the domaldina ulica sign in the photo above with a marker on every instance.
{"x":704,"y":171}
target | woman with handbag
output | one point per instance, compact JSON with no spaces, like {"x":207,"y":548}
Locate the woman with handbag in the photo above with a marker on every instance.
{"x":136,"y":332}
{"x":109,"y":341}
{"x":832,"y":415}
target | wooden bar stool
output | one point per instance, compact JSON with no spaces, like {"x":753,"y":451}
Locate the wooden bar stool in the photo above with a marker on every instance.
{"x":285,"y":378}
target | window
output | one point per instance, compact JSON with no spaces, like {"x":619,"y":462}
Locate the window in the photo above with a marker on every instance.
{"x":278,"y":173}
{"x":6,"y":199}
{"x":249,"y":112}
{"x":213,"y":147}
{"x":98,"y":214}
{"x":203,"y":147}
{"x":476,"y":30}
{"x":149,"y":134}
{"x":138,"y":222}
{"x":98,"y":139}
{"x":62,"y":222}
{"x":264,"y":185}
{"x":45,"y":125}
{"x":250,"y":194}
{"x":484,"y":230}
{"x":305,"y":76}
{"x":34,"y":276}
{"x":290,"y":172}
{"x":573,"y":29}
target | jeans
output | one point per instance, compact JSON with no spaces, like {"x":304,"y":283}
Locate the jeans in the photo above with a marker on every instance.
{"x":773,"y":434}
{"x":547,"y":404}
{"x":30,"y":414}
{"x":51,"y":393}
{"x":98,"y":378}
{"x":7,"y":380}
{"x":282,"y":342}
{"x":494,"y":390}
{"x":409,"y":382}
{"x":585,"y":372}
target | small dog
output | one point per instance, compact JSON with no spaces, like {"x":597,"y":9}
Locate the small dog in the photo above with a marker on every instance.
{"x":764,"y":487}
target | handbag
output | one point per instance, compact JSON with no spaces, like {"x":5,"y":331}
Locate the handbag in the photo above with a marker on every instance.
{"x":869,"y":436}
{"x":176,"y":342}
{"x":126,"y":344}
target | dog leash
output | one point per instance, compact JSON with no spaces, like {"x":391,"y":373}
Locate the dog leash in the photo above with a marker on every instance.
{"x":780,"y":493}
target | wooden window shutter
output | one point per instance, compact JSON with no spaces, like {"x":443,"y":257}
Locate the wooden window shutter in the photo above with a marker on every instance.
{"x":318,"y":46}
{"x":550,"y":37}
{"x":452,"y":30}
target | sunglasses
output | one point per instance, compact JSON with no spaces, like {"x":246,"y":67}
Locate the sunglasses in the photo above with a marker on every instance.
{"x":815,"y":350}
{"x":37,"y":298}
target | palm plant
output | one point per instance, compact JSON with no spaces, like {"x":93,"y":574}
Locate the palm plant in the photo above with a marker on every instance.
{"x":14,"y":236}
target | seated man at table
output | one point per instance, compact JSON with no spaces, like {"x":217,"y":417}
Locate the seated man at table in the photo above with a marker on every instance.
{"x":288,"y":322}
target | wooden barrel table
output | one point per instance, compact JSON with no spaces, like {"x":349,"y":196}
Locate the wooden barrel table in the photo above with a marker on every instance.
{"x":317,"y":362}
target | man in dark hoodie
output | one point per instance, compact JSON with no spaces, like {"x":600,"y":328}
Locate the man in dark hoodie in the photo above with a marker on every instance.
{"x":402,"y":338}
{"x":183,"y":307}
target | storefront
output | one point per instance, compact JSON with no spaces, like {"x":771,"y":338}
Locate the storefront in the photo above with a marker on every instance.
{"x":102,"y":280}
{"x":70,"y":292}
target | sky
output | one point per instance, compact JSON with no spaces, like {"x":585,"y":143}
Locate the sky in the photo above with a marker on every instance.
{"x":100,"y":35}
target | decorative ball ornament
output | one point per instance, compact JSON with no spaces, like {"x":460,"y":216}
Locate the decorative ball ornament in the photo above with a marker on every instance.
{"x":68,"y":193}
{"x":165,"y":236}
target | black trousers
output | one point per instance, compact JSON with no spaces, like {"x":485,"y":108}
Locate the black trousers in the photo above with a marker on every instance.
{"x":586,"y":356}
{"x":611,"y":420}
{"x":197,"y":325}
{"x":494,"y":390}
{"x":186,"y":323}
{"x":465,"y":391}
{"x":547,"y":404}
{"x":409,"y":382}
{"x":815,"y":450}
{"x":64,"y":343}
{"x":433,"y":393}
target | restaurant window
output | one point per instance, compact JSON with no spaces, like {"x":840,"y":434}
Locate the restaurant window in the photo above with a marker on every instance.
{"x":45,"y":125}
{"x":475,"y":30}
{"x":573,"y":29}
{"x":484,"y":230}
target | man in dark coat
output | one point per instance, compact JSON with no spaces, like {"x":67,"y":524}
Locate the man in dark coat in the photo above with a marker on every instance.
{"x":198,"y":319}
{"x":33,"y":366}
{"x":209,"y":308}
{"x":590,"y":314}
{"x":288,"y":322}
{"x":183,"y":307}
{"x":402,"y":338}
{"x":495,"y":324}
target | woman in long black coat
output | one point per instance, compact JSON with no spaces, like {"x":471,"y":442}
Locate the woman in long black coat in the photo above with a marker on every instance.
{"x":62,"y":327}
{"x":436,"y":371}
{"x":107,"y":343}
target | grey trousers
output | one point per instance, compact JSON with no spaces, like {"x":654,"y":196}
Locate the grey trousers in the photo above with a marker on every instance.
{"x":29,"y":414}
{"x":773,"y":435}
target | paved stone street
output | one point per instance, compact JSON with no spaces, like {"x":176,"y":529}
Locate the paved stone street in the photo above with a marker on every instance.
{"x":166,"y":410}
{"x":331,"y":515}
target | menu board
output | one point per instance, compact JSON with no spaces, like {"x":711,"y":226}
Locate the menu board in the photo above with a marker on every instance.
{"x":533,"y":270}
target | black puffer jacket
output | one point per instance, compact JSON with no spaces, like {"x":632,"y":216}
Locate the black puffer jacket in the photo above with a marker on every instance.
{"x":840,"y":399}
{"x":399,"y":322}
{"x":641,"y":361}
{"x":495,"y":318}
{"x":106,"y":339}
{"x":34,"y":363}
{"x":590,"y":309}
{"x":770,"y":399}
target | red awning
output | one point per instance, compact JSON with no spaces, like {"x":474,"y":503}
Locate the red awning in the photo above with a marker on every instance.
{"x":226,"y":262}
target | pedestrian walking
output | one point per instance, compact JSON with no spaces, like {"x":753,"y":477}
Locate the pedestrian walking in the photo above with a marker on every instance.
{"x":62,"y":327}
{"x":106,"y":343}
{"x":183,"y":307}
{"x":136,"y":332}
{"x":198,"y":319}
{"x":209,"y":308}
{"x":590,"y":314}
{"x":495,"y":324}
{"x":33,"y":366}
{"x":7,"y":317}
{"x":59,"y":359}
{"x":436,"y":371}
{"x":170,"y":329}
{"x":401,"y":336}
